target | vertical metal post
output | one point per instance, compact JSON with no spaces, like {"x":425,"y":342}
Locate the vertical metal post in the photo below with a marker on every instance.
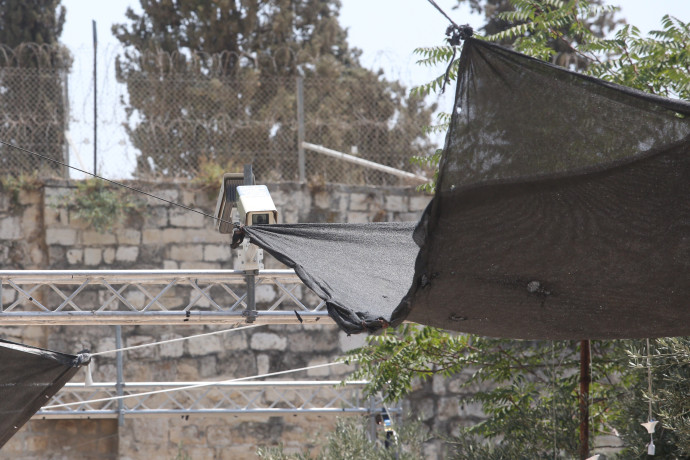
{"x":372,"y":420}
{"x":585,"y":380}
{"x":95,"y":99}
{"x":300,"y":129}
{"x":249,"y":175}
{"x":250,"y":313}
{"x":119,"y":386}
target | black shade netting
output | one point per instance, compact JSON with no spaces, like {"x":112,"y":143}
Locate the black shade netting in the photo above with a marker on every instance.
{"x":562,"y":209}
{"x":362,"y":271}
{"x":30,"y":377}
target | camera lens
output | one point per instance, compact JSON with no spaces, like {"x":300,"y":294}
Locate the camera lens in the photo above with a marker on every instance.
{"x":259,"y":219}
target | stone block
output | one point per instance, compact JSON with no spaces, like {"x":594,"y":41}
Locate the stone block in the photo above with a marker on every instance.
{"x":167,"y":194}
{"x":8,"y":296}
{"x":37,"y":257}
{"x":208,"y":367}
{"x":128,"y":236}
{"x":75,"y":256}
{"x":351,"y":342}
{"x":473,"y":409}
{"x":395,"y":203}
{"x":181,"y":235}
{"x":288,"y":217}
{"x":147,"y":430}
{"x":448,"y":407}
{"x":263,"y":364}
{"x":31,"y":220}
{"x":219,"y":435}
{"x":54,"y":216}
{"x":93,"y":238}
{"x":170,"y":265}
{"x":319,"y":371}
{"x":59,"y":236}
{"x":313,"y":339}
{"x":109,"y":255}
{"x":234,"y":340}
{"x":28,"y":197}
{"x":265,"y":293}
{"x":187,"y":252}
{"x":204,"y":345}
{"x":56,"y":195}
{"x":358,"y":217}
{"x":183,"y":218}
{"x":156,"y":217}
{"x":217,"y":252}
{"x":438,"y":384}
{"x":10,"y":228}
{"x":139,"y":353}
{"x":322,"y":200}
{"x":419,"y":203}
{"x":359,"y":202}
{"x":127,"y":253}
{"x":185,"y":435}
{"x":92,"y":256}
{"x":267,"y":341}
{"x":406,"y":217}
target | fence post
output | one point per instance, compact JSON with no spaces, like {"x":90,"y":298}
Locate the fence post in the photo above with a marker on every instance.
{"x":300,"y":129}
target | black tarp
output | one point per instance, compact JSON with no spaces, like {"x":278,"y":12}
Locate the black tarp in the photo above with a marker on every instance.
{"x":562,"y":211}
{"x":30,"y":377}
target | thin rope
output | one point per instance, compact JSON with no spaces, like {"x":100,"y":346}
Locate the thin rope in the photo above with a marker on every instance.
{"x":119,"y":184}
{"x":190,"y":387}
{"x":649,"y":379}
{"x":442,"y":12}
{"x":179,"y":339}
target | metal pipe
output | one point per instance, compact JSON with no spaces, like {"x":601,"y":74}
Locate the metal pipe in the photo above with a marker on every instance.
{"x":141,"y":276}
{"x":300,"y":130}
{"x":109,"y":318}
{"x":585,"y":380}
{"x":119,"y":385}
{"x":362,"y":162}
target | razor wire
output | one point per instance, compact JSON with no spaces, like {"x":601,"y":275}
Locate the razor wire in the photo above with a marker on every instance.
{"x":178,"y":124}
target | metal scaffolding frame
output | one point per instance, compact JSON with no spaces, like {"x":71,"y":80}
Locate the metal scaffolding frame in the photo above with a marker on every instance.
{"x":176,"y":297}
{"x":128,"y":297}
{"x":155,"y":399}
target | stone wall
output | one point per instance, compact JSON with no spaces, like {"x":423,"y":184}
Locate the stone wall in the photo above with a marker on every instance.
{"x":37,"y":231}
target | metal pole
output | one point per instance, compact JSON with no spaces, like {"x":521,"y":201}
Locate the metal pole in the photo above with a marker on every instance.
{"x":300,"y":129}
{"x":585,"y":380}
{"x":363,"y":162}
{"x":119,"y":386}
{"x":95,"y":100}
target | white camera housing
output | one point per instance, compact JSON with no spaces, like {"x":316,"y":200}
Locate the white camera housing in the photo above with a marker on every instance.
{"x":255,"y":205}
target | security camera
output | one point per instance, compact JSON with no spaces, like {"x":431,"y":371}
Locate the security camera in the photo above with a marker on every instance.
{"x":255,"y":206}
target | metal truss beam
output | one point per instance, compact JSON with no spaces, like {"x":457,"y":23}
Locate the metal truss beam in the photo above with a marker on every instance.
{"x":278,"y":397}
{"x":124,"y":297}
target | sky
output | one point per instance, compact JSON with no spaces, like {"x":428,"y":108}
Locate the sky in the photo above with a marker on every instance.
{"x":387,"y":32}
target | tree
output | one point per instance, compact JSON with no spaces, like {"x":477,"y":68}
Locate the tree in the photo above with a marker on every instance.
{"x":217,"y":77}
{"x":33,"y":83}
{"x":350,"y":440}
{"x":522,"y":381}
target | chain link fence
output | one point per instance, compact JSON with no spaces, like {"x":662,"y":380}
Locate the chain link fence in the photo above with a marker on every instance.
{"x":176,"y":122}
{"x":33,"y":114}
